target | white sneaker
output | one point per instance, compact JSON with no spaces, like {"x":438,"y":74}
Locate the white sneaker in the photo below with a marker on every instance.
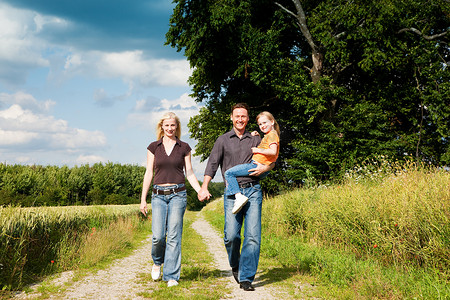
{"x":156,"y":272}
{"x":171,"y":283}
{"x":239,"y":202}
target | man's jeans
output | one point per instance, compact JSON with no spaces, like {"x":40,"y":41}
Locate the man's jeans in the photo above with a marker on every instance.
{"x":238,"y":171}
{"x":167,"y":222}
{"x":249,"y":216}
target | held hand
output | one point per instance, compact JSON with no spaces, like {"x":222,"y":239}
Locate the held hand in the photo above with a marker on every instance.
{"x":143,"y":208}
{"x":260,"y":169}
{"x":203,"y":194}
{"x":254,"y":133}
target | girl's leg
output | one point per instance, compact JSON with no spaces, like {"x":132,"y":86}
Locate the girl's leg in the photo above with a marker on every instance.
{"x":232,"y":173}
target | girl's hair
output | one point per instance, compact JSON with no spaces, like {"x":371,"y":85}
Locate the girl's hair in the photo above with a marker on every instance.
{"x":271,"y":118}
{"x":160,"y":130}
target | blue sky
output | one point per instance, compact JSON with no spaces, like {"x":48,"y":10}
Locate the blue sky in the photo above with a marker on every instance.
{"x":86,"y":81}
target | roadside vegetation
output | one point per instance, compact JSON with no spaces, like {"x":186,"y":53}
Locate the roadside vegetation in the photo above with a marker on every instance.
{"x":98,"y":246}
{"x":41,"y":241}
{"x":382,"y":233}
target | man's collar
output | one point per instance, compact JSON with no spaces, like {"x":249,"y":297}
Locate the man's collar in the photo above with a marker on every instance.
{"x":233,"y":133}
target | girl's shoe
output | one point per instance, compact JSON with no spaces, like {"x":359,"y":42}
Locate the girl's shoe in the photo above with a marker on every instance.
{"x":239,"y":203}
{"x":156,"y":272}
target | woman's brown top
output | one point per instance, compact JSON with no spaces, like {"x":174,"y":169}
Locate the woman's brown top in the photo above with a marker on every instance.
{"x":169,"y":168}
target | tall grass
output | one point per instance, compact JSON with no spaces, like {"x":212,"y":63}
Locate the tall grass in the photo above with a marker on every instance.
{"x":384,"y":232}
{"x":381,"y":233}
{"x":402,"y":218}
{"x":39,"y":241}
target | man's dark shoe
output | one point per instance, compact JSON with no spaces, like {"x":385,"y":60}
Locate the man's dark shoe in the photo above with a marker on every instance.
{"x":235,"y":272}
{"x":247,"y":286}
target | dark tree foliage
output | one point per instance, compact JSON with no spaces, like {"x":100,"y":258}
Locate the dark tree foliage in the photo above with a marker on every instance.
{"x":346,"y":80}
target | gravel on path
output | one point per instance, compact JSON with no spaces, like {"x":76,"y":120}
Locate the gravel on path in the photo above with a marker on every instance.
{"x":216,"y":247}
{"x":121,"y":279}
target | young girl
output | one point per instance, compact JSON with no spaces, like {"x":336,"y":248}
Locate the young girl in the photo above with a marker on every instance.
{"x":266,"y":153}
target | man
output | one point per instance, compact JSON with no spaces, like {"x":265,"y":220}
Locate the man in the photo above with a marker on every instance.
{"x":230,"y":149}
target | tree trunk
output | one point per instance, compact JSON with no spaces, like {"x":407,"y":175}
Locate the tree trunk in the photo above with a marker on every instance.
{"x":317,"y":56}
{"x":316,"y":71}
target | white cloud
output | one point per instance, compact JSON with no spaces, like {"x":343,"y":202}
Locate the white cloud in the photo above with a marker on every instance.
{"x":73,"y":61}
{"x":24,"y":46}
{"x":41,"y":21}
{"x":23,"y":159}
{"x":90,"y":159}
{"x":25,"y":101}
{"x":18,"y":42}
{"x":184,"y":102}
{"x":14,"y":138}
{"x":130,"y":66}
{"x":147,"y":112}
{"x":25,"y":128}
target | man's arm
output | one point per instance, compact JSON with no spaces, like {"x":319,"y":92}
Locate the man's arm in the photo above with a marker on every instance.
{"x":260,"y":169}
{"x":204,"y":194}
{"x":214,"y":161}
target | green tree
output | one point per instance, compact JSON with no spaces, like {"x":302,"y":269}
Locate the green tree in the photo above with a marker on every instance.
{"x":79,"y":183}
{"x":345,"y":79}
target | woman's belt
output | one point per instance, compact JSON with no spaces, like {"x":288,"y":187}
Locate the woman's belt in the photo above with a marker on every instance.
{"x":169,"y":191}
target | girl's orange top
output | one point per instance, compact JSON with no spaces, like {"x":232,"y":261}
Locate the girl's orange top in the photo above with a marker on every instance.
{"x":269,"y":139}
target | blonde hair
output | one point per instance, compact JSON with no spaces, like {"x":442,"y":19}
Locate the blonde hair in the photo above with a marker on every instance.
{"x":271,"y":118}
{"x":160,"y":130}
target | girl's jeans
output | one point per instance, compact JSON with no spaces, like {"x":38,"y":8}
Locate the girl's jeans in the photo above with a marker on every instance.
{"x":167,"y":228}
{"x":238,"y":171}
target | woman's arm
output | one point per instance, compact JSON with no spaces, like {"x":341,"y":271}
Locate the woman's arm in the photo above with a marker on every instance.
{"x":190,"y":173}
{"x":147,"y":181}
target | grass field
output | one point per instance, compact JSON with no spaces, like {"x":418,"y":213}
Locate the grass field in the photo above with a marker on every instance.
{"x":382,"y":233}
{"x":378,"y":235}
{"x":44,"y":240}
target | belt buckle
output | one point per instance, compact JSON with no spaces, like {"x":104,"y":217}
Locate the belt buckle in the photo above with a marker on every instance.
{"x":246,"y":185}
{"x":162,"y":192}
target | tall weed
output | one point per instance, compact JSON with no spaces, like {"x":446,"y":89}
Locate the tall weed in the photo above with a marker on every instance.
{"x":35,"y":241}
{"x":400,"y":218}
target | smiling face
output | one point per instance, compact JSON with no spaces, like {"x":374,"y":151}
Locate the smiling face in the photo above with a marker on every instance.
{"x":239,"y":117}
{"x":265,"y":124}
{"x":169,"y":127}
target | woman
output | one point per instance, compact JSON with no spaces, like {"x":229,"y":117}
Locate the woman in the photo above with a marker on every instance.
{"x":166,"y":159}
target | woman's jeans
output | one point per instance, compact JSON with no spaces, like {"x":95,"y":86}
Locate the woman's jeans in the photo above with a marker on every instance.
{"x":167,"y":228}
{"x":250,"y":216}
{"x":238,"y":171}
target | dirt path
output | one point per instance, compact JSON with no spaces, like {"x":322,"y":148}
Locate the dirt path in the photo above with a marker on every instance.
{"x":121,"y":279}
{"x":118,"y":281}
{"x":216,"y":247}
